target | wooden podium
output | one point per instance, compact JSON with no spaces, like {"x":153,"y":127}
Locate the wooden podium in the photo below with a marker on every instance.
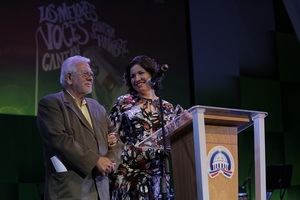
{"x":205,"y":153}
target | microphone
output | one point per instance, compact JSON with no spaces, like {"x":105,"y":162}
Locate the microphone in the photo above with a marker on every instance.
{"x":158,"y":76}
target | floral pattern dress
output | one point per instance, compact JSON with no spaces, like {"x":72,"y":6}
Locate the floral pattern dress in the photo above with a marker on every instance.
{"x":139,"y":174}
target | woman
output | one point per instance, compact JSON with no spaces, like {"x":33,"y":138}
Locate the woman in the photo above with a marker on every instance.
{"x":136,"y":115}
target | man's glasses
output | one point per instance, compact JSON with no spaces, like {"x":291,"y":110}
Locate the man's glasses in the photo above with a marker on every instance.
{"x":86,"y":74}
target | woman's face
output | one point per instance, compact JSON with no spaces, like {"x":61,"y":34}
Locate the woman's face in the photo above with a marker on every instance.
{"x":139,"y":77}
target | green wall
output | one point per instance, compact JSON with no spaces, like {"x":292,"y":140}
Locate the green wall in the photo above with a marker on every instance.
{"x":21,"y":168}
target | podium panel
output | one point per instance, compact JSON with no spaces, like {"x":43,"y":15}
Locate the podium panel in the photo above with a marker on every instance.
{"x":204,"y":151}
{"x":183,"y":162}
{"x":222,"y":187}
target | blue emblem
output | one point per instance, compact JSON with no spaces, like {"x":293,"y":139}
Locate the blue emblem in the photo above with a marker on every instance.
{"x":220,"y":161}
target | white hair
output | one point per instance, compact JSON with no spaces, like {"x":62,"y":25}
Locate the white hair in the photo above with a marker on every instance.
{"x":69,"y":66}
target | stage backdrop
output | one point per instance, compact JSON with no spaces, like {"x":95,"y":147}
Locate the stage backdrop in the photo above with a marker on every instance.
{"x":36,"y":37}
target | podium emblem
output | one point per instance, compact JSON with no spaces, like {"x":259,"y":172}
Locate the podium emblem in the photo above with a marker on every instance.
{"x":220,"y":161}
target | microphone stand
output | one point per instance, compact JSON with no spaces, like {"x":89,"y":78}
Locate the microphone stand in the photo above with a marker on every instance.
{"x":164,"y":153}
{"x":164,"y":159}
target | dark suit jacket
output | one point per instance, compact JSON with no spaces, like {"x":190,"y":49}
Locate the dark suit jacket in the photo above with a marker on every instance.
{"x":67,"y":134}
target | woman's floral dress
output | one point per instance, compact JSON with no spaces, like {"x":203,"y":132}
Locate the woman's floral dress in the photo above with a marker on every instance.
{"x":139,"y":174}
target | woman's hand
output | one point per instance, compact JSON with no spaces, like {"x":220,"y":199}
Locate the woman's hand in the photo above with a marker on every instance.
{"x":112,"y":139}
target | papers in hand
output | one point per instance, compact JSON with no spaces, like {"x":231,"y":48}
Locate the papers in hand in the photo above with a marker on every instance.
{"x":155,"y":139}
{"x":58,"y":165}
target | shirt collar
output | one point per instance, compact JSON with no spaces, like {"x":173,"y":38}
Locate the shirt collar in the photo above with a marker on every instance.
{"x":82,"y":103}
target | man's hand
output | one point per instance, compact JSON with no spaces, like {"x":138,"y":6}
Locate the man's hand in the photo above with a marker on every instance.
{"x":105,"y":165}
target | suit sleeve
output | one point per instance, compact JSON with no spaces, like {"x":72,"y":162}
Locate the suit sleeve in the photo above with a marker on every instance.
{"x":115,"y":151}
{"x":57,"y":138}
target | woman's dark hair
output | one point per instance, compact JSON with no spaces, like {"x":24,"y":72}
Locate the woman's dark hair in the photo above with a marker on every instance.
{"x":148,"y":64}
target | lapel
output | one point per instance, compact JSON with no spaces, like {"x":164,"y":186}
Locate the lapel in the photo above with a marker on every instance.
{"x":70,"y":103}
{"x":97,"y":128}
{"x":91,"y":110}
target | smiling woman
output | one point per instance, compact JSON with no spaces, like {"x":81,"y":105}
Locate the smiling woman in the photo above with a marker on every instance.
{"x":139,"y":81}
{"x":136,"y":116}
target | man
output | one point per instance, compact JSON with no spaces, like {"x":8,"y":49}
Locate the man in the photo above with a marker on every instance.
{"x":74,"y":131}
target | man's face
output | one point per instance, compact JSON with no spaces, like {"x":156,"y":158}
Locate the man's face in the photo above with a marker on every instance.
{"x":82,"y":80}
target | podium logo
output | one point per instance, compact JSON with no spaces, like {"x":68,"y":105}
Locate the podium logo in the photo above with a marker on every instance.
{"x":220,"y":161}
